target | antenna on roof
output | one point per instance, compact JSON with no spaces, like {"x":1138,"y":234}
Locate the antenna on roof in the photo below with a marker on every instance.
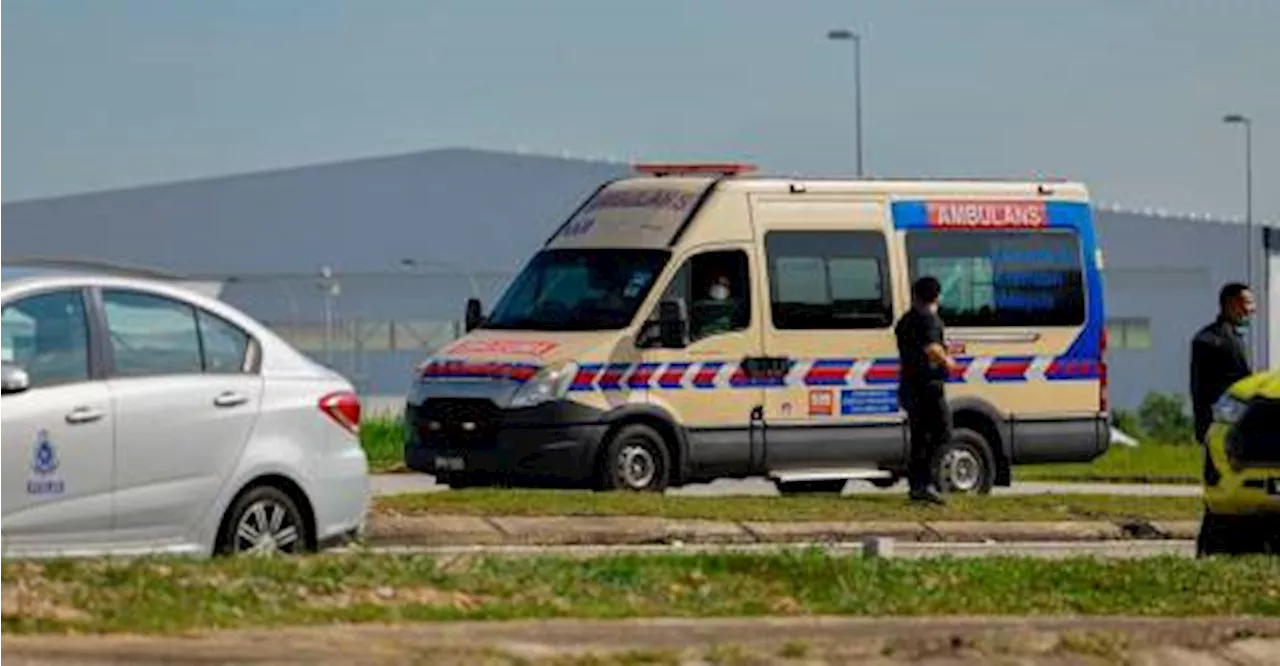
{"x":95,"y":265}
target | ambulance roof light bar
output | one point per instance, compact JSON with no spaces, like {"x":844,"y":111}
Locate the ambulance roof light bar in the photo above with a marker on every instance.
{"x":672,"y":168}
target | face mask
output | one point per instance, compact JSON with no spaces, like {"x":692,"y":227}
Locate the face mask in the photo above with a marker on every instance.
{"x":719,"y":292}
{"x":1242,"y":325}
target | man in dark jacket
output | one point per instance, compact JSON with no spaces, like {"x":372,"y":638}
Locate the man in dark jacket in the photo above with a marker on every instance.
{"x":1219,"y":357}
{"x":925,"y":366}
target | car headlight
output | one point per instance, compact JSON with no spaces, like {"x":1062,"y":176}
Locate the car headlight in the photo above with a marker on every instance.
{"x":549,"y":384}
{"x":1228,"y":409}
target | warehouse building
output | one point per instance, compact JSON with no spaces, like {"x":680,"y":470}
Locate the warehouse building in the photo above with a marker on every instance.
{"x":366,"y":264}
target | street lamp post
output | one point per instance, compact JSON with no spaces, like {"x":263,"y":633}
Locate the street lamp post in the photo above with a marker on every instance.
{"x":856,"y":39}
{"x":1239,"y":119}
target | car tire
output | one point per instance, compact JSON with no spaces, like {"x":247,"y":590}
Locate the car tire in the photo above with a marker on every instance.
{"x":635,"y":458}
{"x":825,"y":486}
{"x":264,"y":520}
{"x":1231,"y":535}
{"x":965,"y":465}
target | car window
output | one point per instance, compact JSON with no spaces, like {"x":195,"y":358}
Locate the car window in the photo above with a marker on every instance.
{"x":225,"y":345}
{"x":47,"y":335}
{"x":717,"y":288}
{"x":829,"y":280}
{"x":151,"y":335}
{"x":1002,"y":278}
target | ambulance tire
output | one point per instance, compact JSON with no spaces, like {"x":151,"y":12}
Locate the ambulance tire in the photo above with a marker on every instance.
{"x":965,"y":465}
{"x":636,"y":458}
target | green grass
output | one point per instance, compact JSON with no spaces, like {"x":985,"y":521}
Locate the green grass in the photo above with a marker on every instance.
{"x":526,"y":502}
{"x":173,"y":595}
{"x":1148,"y":463}
{"x":383,"y":440}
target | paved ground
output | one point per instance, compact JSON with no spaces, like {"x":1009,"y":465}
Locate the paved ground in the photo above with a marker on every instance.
{"x":812,"y":640}
{"x":389,"y":484}
{"x":876,"y":547}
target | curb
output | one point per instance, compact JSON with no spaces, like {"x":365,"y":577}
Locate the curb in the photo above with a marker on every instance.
{"x":454,"y":530}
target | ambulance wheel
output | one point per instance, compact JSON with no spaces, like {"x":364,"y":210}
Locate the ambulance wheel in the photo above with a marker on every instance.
{"x":965,"y":465}
{"x":830,"y":486}
{"x":636,"y":459}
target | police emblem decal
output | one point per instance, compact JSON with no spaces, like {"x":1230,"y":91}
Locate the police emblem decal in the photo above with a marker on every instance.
{"x":44,"y":462}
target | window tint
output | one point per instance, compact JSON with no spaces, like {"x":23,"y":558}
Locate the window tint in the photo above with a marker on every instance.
{"x":151,"y":335}
{"x":1002,"y":278}
{"x":47,"y":335}
{"x":717,"y":287}
{"x":225,"y":346}
{"x":828,"y":280}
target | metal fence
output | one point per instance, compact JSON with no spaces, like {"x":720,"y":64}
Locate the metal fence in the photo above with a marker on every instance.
{"x":373,"y":327}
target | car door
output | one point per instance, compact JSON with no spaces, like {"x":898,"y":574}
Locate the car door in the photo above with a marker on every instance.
{"x":829,"y":271}
{"x":57,"y":435}
{"x":706,"y":386}
{"x":186,"y":398}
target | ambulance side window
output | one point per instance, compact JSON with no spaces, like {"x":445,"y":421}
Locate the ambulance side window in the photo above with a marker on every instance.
{"x":717,"y":288}
{"x":1002,"y":278}
{"x":829,"y":280}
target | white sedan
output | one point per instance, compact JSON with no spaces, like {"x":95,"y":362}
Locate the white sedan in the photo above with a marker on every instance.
{"x":142,"y":417}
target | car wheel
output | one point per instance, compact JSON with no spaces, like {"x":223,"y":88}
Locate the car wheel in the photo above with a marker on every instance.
{"x":1228,"y":535}
{"x":264,"y":521}
{"x":636,"y":459}
{"x":828,"y":486}
{"x":965,"y":465}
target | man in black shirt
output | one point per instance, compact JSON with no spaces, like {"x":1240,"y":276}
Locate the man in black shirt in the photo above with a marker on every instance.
{"x":925,"y":366}
{"x":1218,"y":354}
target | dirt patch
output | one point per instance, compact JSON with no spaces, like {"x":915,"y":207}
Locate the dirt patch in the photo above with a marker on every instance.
{"x":792,"y":641}
{"x":395,"y":596}
{"x":32,"y":597}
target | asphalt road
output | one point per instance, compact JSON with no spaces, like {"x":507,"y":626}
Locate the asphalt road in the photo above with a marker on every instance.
{"x":391,"y":484}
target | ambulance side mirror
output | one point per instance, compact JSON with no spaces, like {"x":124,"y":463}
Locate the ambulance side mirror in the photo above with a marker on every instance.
{"x":14,"y":379}
{"x":474,"y":315}
{"x":673,"y":323}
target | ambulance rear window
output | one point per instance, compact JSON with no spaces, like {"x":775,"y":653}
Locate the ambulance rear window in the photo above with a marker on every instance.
{"x":1002,"y":278}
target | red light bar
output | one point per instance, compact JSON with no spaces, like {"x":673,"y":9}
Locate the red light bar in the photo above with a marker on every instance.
{"x":724,"y":168}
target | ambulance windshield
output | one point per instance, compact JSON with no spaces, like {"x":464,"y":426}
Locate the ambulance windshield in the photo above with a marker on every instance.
{"x":578,"y":290}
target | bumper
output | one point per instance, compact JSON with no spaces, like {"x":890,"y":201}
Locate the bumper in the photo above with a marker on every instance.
{"x":341,"y":495}
{"x":550,"y":445}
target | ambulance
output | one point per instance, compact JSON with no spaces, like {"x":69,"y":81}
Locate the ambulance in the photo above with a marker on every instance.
{"x":691,"y":322}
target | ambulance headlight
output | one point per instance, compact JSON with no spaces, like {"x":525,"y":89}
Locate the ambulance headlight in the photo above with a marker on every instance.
{"x":1228,"y":409}
{"x":549,"y":384}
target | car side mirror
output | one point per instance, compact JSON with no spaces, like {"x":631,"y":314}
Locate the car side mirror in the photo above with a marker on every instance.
{"x":474,"y":315}
{"x":14,"y":379}
{"x":673,"y":323}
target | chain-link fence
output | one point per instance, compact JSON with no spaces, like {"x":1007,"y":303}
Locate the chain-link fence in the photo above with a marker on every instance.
{"x":373,"y":327}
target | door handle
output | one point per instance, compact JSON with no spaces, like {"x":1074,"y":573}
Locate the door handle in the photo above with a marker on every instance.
{"x":230,"y":399}
{"x":84,"y":415}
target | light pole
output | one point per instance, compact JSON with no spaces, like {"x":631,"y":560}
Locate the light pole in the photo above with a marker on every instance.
{"x":1239,"y":119}
{"x":856,"y":39}
{"x":331,"y":291}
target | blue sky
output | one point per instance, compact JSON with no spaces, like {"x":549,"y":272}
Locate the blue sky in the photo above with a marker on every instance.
{"x":1124,"y":95}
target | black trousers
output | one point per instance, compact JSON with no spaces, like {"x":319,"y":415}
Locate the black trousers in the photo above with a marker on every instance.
{"x":929,"y":422}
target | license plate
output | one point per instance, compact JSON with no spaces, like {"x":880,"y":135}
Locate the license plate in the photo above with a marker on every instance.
{"x":449,"y":463}
{"x":1273,"y":486}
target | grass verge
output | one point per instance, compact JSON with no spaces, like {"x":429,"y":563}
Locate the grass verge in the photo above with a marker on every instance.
{"x":383,"y":439}
{"x":1148,"y":463}
{"x":524,"y":502}
{"x":172,"y":595}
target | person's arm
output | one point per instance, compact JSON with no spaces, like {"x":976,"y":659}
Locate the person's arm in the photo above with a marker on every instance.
{"x":934,"y":346}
